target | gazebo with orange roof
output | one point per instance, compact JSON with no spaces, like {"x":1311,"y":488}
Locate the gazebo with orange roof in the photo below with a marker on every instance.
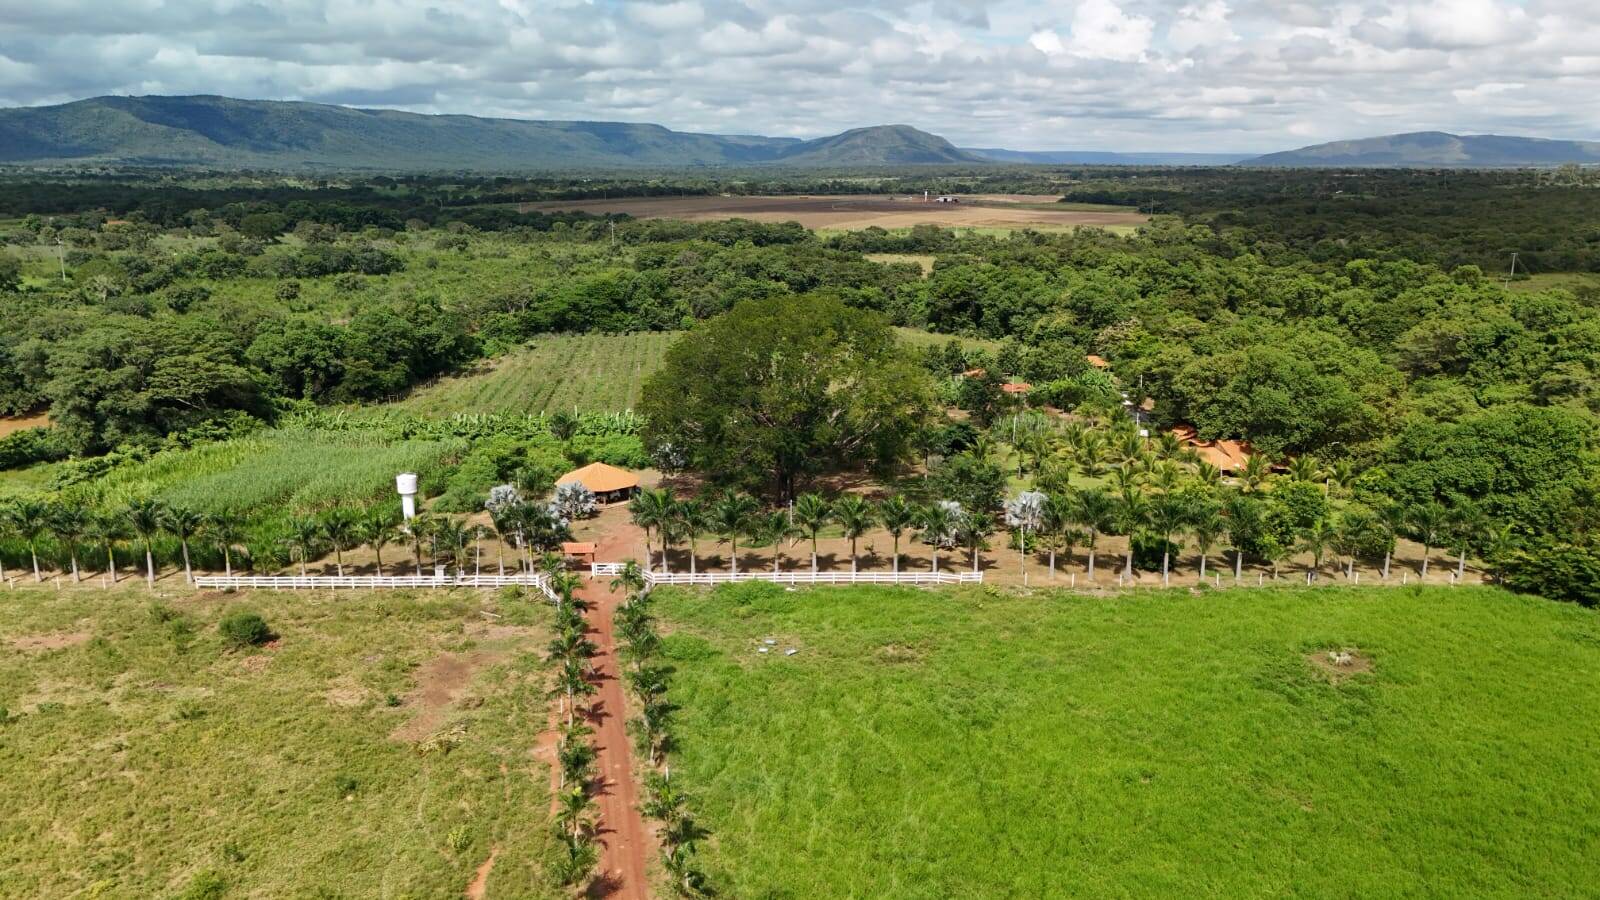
{"x":609,"y":483}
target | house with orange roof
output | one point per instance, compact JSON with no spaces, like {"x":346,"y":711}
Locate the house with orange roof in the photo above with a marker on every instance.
{"x":1227,"y":455}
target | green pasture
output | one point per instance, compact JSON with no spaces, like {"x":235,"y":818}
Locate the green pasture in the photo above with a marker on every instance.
{"x":976,"y":744}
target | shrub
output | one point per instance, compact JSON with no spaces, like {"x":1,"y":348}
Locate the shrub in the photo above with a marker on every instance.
{"x":1147,"y":551}
{"x":244,"y":629}
{"x":1559,"y":571}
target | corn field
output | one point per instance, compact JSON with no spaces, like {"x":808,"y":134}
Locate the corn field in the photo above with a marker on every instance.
{"x":585,"y":372}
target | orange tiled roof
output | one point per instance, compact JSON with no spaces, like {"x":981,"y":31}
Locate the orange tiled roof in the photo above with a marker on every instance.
{"x":1227,"y":455}
{"x":601,"y":478}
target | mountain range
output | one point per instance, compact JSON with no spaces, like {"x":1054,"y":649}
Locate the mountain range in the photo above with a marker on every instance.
{"x":1430,"y":149}
{"x":221,"y":132}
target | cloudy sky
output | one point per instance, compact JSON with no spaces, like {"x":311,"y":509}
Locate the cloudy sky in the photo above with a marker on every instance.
{"x":1201,"y":75}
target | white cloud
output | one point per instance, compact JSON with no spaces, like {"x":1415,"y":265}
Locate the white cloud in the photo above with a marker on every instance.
{"x":1094,"y":74}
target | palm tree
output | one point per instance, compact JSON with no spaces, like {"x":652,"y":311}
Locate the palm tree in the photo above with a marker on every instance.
{"x":695,"y":519}
{"x":897,"y":516}
{"x":630,"y":580}
{"x":854,"y":515}
{"x":1244,"y":524}
{"x":456,"y":537}
{"x":107,"y":531}
{"x":1168,"y":515}
{"x":182,"y":523}
{"x":1025,"y":513}
{"x":1054,"y":520}
{"x":1255,"y":473}
{"x":1354,"y":530}
{"x":563,"y":425}
{"x":1133,"y":513}
{"x":973,"y":529}
{"x":938,"y":523}
{"x":812,"y":513}
{"x":731,"y":517}
{"x":1339,"y":477}
{"x":1207,"y":526}
{"x":650,"y":510}
{"x":377,"y":530}
{"x":339,"y":527}
{"x":1090,"y":455}
{"x":225,"y":529}
{"x":1468,"y":526}
{"x":1093,"y":509}
{"x":1428,"y":521}
{"x":145,"y":517}
{"x":305,"y":533}
{"x":1305,"y":468}
{"x":775,"y":527}
{"x":5,"y":531}
{"x":29,"y":519}
{"x":1317,"y":539}
{"x":68,"y":521}
{"x":1392,"y":518}
{"x":416,"y":529}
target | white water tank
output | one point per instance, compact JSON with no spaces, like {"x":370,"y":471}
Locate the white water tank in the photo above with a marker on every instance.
{"x":406,"y":484}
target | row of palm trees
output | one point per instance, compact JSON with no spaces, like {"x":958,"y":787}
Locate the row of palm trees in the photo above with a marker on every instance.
{"x":526,"y":528}
{"x":668,"y":522}
{"x":1162,"y":502}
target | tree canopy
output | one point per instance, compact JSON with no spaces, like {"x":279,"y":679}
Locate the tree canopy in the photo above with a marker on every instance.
{"x":777,"y":391}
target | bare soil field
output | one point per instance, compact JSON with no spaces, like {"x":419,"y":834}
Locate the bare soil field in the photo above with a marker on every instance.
{"x":11,"y":425}
{"x":855,"y":212}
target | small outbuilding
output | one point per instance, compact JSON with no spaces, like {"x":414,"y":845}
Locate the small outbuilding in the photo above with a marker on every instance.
{"x":578,"y":552}
{"x":608,"y":483}
{"x":1099,"y":362}
{"x":1016,"y":387}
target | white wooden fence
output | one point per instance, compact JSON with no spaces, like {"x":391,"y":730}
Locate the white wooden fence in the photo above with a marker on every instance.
{"x":370,"y":582}
{"x":657,"y":579}
{"x":605,"y":570}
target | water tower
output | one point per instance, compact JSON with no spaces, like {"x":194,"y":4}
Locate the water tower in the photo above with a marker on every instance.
{"x":406,"y":484}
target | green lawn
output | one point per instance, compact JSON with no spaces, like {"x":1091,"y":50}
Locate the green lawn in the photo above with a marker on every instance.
{"x":140,"y":758}
{"x":971,"y":744}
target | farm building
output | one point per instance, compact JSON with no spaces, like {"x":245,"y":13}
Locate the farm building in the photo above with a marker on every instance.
{"x":1229,"y":456}
{"x":578,"y":552}
{"x":1099,"y":362}
{"x":1016,"y":387}
{"x":609,"y":483}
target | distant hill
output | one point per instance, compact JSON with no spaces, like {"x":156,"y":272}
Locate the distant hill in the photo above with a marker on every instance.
{"x":227,"y":133}
{"x":1104,"y":158}
{"x":1437,"y":149}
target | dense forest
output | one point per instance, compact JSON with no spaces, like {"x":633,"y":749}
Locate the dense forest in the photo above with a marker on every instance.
{"x":1345,"y":316}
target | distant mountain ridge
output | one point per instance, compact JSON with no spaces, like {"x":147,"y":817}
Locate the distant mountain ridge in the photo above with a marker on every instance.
{"x":1104,"y":157}
{"x":228,"y":133}
{"x":1428,"y":149}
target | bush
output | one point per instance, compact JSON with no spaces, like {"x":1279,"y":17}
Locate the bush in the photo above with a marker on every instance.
{"x":1559,"y":571}
{"x":244,"y":629}
{"x":1147,"y":549}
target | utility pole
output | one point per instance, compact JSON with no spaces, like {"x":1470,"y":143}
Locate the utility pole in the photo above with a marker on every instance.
{"x":61,"y":247}
{"x":1513,"y":270}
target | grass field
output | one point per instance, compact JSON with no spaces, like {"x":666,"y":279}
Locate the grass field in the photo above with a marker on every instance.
{"x":140,"y":758}
{"x":1571,"y":281}
{"x":973,"y":744}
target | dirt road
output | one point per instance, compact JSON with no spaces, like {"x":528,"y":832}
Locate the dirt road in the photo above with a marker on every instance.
{"x":625,"y":843}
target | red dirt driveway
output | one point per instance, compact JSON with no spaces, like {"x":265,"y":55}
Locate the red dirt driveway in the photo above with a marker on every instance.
{"x":624,"y":841}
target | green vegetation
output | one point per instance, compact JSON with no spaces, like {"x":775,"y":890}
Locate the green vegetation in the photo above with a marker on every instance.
{"x":583,"y":372}
{"x":144,"y":758}
{"x":1159,"y":743}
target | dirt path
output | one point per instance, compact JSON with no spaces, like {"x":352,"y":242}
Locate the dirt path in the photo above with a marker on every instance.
{"x":625,"y":844}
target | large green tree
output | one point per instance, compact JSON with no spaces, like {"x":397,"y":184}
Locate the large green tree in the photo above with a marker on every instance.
{"x":775,"y":392}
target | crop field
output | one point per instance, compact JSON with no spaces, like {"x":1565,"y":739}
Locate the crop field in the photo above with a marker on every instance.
{"x":978,"y":744}
{"x":379,"y":746}
{"x":587,"y":372}
{"x":273,"y":471}
{"x":855,"y":212}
